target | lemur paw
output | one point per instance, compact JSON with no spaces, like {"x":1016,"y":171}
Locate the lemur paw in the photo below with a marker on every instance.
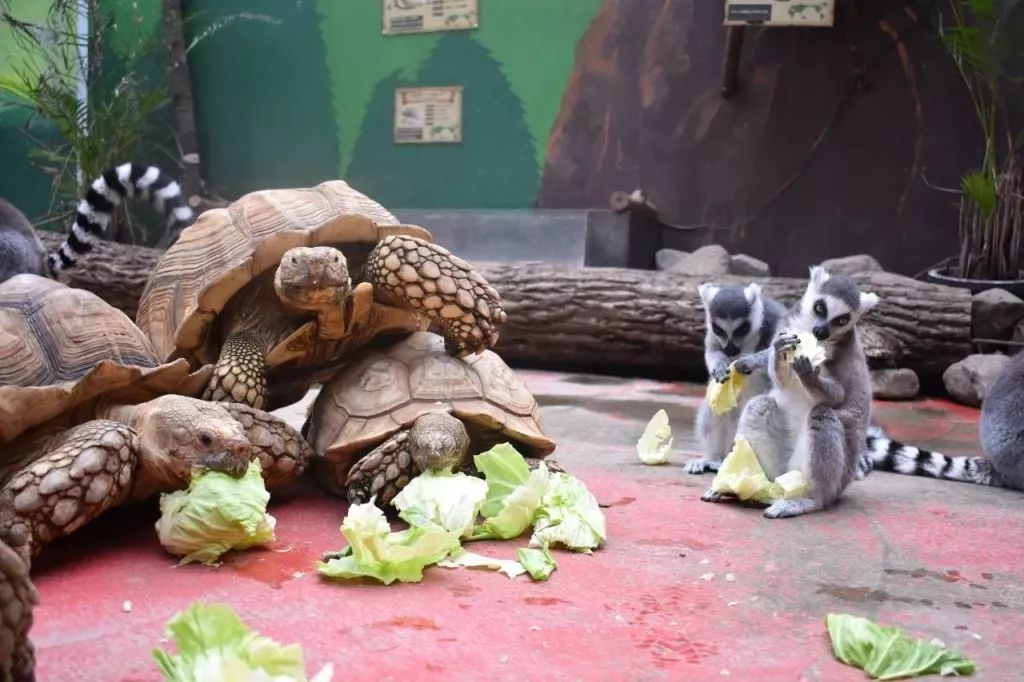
{"x":865,"y":465}
{"x":712,"y":496}
{"x":782,"y":509}
{"x":745,"y":365}
{"x":699,"y":466}
{"x":803,"y":367}
{"x":786,"y":342}
{"x":721,"y":373}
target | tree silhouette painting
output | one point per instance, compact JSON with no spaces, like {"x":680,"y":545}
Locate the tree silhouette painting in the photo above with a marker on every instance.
{"x":493,"y":166}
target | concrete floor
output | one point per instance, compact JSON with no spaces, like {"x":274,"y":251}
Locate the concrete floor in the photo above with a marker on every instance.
{"x":683,"y":590}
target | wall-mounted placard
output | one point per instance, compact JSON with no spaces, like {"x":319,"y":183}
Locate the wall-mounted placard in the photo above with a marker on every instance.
{"x":425,"y":115}
{"x":779,"y":12}
{"x":427,"y":16}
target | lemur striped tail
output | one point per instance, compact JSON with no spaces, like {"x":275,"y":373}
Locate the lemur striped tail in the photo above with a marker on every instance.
{"x":885,"y":454}
{"x":105,"y":194}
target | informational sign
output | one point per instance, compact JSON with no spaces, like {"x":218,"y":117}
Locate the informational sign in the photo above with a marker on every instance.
{"x":779,"y":12}
{"x":425,"y":115}
{"x":427,"y":16}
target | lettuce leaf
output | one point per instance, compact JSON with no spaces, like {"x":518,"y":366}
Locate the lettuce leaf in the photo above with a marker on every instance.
{"x":505,"y":470}
{"x":888,"y":653}
{"x":375,"y":552}
{"x":466,"y":559}
{"x":808,"y":346}
{"x":656,"y":441}
{"x":518,"y":508}
{"x":451,"y":501}
{"x":569,"y":516}
{"x":742,"y":475}
{"x":215,"y":646}
{"x":217,"y":513}
{"x":537,"y":562}
{"x":724,"y":396}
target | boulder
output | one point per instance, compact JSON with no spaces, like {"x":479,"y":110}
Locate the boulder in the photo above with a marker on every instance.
{"x":707,"y":261}
{"x":851,"y":265}
{"x":748,"y":266}
{"x":995,"y":313}
{"x":895,"y":384}
{"x":969,"y":380}
{"x":664,"y":259}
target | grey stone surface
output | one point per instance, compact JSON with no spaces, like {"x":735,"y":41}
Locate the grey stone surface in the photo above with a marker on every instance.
{"x":707,"y":261}
{"x":665,"y":259}
{"x":895,"y":384}
{"x":748,"y":266}
{"x":851,"y":265}
{"x":969,"y":380}
{"x":995,"y":313}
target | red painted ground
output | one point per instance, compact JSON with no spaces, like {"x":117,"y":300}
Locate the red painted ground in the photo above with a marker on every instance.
{"x":940,"y":559}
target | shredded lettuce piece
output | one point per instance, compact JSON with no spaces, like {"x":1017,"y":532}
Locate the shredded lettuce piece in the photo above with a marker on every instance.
{"x":888,"y":653}
{"x":451,"y":501}
{"x":375,"y":552}
{"x":656,"y":441}
{"x":215,"y":646}
{"x":569,"y":516}
{"x":809,"y":347}
{"x":518,"y":508}
{"x":537,"y":562}
{"x":217,"y":513}
{"x":462,"y":558}
{"x":724,"y":396}
{"x":742,"y":475}
{"x":505,"y":470}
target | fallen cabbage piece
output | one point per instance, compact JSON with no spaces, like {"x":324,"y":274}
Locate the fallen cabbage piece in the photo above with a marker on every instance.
{"x":513,"y":496}
{"x":375,"y":552}
{"x":537,"y":562}
{"x":742,"y":475}
{"x":215,"y":646}
{"x":888,"y":653}
{"x":217,"y":513}
{"x":654,"y":444}
{"x":466,"y":559}
{"x":449,"y":500}
{"x":505,"y":470}
{"x":809,"y":347}
{"x":569,"y":516}
{"x":725,"y":396}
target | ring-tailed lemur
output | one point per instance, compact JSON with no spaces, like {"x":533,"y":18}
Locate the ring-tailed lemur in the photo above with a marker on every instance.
{"x":738,"y":321}
{"x":813,"y":419}
{"x":20,"y":248}
{"x":1002,"y":439}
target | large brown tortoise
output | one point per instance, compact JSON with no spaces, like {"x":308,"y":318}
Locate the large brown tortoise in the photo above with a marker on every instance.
{"x":17,"y":598}
{"x":90,"y":418}
{"x":396,"y":412}
{"x":263,"y":290}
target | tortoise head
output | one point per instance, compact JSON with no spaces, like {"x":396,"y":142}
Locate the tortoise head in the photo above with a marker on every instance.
{"x":177,"y":433}
{"x":311,"y":277}
{"x":438,"y":442}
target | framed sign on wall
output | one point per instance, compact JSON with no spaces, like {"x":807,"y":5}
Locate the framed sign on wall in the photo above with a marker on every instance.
{"x":428,"y":115}
{"x":428,"y":16}
{"x":779,"y":12}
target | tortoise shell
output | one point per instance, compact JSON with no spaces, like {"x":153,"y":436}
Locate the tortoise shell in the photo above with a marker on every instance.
{"x":227,"y":248}
{"x":386,"y":390}
{"x":64,"y":347}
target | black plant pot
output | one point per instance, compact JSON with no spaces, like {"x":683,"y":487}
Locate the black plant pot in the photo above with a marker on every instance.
{"x":975,"y":286}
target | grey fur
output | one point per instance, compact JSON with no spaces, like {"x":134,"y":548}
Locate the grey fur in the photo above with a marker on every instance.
{"x":731,"y":306}
{"x":20,"y":248}
{"x":1002,"y":438}
{"x":814,"y":420}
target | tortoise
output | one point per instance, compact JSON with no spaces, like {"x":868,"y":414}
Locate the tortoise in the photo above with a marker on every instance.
{"x":396,"y":412}
{"x":263,"y":289}
{"x":17,"y":598}
{"x":90,"y":418}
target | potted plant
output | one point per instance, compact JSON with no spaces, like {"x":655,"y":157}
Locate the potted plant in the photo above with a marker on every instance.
{"x":991,"y":223}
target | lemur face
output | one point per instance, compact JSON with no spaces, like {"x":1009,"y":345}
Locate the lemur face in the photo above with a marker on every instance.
{"x":831,"y":306}
{"x":733,"y":316}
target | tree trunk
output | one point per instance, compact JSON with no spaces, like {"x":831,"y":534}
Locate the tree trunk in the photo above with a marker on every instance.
{"x":182,"y":108}
{"x":626,"y":320}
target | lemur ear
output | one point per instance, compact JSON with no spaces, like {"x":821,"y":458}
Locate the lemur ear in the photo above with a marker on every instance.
{"x":818,"y":276}
{"x":868,"y":301}
{"x":752,"y":292}
{"x":707,"y":293}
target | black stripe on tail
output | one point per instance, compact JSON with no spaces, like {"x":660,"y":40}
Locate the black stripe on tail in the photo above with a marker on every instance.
{"x":885,"y":454}
{"x":103,"y":197}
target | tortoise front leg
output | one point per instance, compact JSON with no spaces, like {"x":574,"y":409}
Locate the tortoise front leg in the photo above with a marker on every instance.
{"x":381,"y":474}
{"x":427,"y":279}
{"x":282,"y":451}
{"x":17,"y":597}
{"x":240,"y":374}
{"x":82,"y":473}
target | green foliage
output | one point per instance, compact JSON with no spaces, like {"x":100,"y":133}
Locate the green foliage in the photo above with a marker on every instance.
{"x":980,"y":190}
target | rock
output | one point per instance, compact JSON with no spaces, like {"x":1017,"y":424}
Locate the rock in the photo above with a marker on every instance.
{"x":742,"y":264}
{"x":995,"y":313}
{"x":969,"y":380}
{"x":895,"y":384}
{"x":707,"y":261}
{"x":851,"y":265}
{"x":664,"y":259}
{"x":1018,"y":337}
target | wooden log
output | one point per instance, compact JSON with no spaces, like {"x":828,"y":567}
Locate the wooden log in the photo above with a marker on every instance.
{"x":626,"y":320}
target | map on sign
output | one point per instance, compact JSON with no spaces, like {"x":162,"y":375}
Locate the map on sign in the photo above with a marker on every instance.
{"x":779,"y":12}
{"x":427,"y":16}
{"x":425,"y":115}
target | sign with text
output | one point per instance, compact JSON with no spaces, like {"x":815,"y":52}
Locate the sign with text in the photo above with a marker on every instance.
{"x":425,"y":115}
{"x":779,"y":12}
{"x":428,"y":16}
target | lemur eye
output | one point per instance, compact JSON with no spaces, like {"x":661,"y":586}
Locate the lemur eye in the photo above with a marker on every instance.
{"x":819,"y":308}
{"x":742,"y":330}
{"x":717,"y":330}
{"x":842,"y":321}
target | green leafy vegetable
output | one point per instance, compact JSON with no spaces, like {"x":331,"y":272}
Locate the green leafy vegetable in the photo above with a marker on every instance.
{"x":215,"y":646}
{"x":569,"y":515}
{"x":449,"y":500}
{"x":375,"y":552}
{"x":888,"y":653}
{"x":505,"y":470}
{"x":518,"y":508}
{"x":537,"y":562}
{"x":656,"y":441}
{"x":470,"y":560}
{"x":742,"y":475}
{"x":217,"y":513}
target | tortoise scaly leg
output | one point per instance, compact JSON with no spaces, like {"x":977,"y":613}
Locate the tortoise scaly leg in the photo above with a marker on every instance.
{"x":17,"y":597}
{"x":381,"y":474}
{"x":240,"y":373}
{"x":427,"y":279}
{"x":84,"y":471}
{"x":282,"y":451}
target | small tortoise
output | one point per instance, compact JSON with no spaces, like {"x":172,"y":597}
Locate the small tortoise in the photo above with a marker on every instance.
{"x":414,"y":407}
{"x":90,"y":418}
{"x":17,"y":598}
{"x":263,"y":289}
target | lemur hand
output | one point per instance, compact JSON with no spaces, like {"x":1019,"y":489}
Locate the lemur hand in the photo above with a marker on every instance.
{"x":721,"y":373}
{"x":745,"y":365}
{"x":786,"y":343}
{"x":803,"y":367}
